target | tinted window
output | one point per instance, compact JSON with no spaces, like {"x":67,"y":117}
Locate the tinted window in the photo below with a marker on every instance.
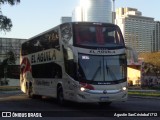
{"x":101,"y":68}
{"x":98,"y":36}
{"x":47,"y":70}
{"x":43,"y":42}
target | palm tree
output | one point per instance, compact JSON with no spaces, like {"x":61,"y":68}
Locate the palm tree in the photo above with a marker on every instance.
{"x":6,"y":23}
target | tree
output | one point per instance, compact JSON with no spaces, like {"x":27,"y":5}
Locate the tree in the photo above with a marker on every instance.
{"x":6,"y":23}
{"x":11,"y":59}
{"x":152,"y":58}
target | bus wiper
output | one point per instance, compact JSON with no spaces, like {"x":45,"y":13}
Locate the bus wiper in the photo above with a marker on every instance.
{"x":111,"y":72}
{"x":99,"y":67}
{"x":107,"y":68}
{"x":96,"y":73}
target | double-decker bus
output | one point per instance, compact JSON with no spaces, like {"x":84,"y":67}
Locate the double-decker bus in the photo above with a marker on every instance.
{"x":76,"y":61}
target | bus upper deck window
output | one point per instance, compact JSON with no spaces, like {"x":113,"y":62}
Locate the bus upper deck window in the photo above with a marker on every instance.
{"x":84,"y":35}
{"x":109,"y":39}
{"x":99,"y":35}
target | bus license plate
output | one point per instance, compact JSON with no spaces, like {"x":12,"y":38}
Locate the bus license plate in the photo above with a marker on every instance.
{"x":104,"y":98}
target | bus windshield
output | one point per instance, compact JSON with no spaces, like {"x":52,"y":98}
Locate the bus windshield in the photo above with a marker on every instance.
{"x":98,"y":36}
{"x":101,"y":68}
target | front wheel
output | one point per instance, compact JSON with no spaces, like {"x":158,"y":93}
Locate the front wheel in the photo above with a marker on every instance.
{"x":60,"y":96}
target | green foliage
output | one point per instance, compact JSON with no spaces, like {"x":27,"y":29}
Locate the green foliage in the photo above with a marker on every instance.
{"x":11,"y":57}
{"x":6,"y":23}
{"x":139,"y":93}
{"x":152,"y":58}
{"x":11,"y":2}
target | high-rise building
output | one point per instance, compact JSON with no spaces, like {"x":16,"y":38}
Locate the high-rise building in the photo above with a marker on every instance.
{"x":66,"y":19}
{"x":93,"y":11}
{"x":77,"y":14}
{"x":156,"y":37}
{"x":137,"y":29}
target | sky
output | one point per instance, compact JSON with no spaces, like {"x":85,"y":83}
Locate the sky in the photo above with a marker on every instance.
{"x":32,"y":17}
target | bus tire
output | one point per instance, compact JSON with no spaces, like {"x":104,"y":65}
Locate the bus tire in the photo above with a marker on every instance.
{"x":103,"y":104}
{"x":60,"y":96}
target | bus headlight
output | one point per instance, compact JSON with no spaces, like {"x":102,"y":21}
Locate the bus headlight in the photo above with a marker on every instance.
{"x":82,"y":89}
{"x":124,"y":88}
{"x":85,"y":86}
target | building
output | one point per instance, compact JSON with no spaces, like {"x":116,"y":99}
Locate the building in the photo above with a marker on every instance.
{"x":137,"y":29}
{"x":156,"y":37}
{"x":93,"y":11}
{"x":66,"y":19}
{"x":77,"y":14}
{"x":10,"y":44}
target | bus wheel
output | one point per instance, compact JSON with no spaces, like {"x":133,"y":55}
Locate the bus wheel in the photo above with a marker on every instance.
{"x":103,"y":104}
{"x":60,"y":97}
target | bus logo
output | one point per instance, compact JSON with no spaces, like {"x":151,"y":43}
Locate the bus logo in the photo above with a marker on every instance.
{"x":105,"y":92}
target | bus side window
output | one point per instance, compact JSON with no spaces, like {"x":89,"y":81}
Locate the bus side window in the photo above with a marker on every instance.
{"x":47,"y":70}
{"x":58,"y":72}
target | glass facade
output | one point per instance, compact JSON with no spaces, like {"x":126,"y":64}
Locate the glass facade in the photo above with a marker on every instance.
{"x":94,"y":11}
{"x":139,"y":34}
{"x":10,"y":44}
{"x":156,"y":37}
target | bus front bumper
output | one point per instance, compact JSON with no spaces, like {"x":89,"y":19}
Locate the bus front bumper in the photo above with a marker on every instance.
{"x":102,"y":96}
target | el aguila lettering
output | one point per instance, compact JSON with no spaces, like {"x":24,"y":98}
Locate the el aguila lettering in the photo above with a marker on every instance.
{"x":43,"y":56}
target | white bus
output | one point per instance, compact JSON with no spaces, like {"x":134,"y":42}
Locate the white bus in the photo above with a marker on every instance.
{"x":77,"y":61}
